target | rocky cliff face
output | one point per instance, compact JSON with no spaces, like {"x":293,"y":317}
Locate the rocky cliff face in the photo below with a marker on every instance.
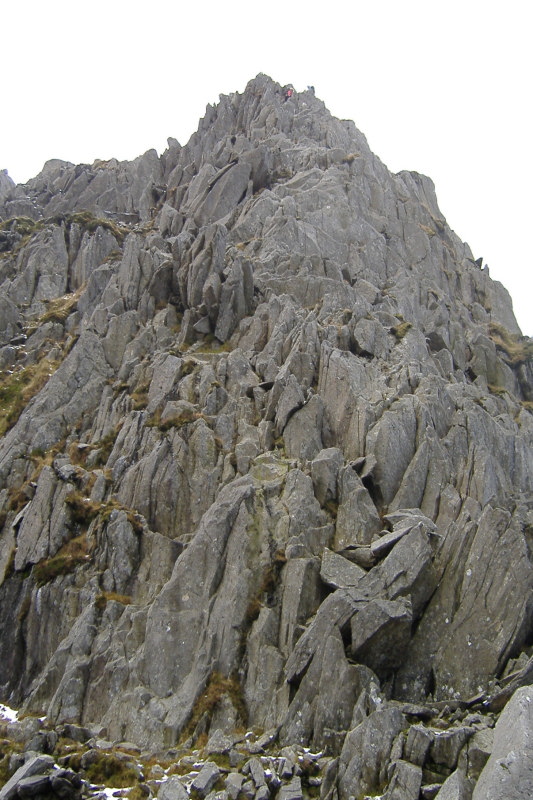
{"x":266,"y":434}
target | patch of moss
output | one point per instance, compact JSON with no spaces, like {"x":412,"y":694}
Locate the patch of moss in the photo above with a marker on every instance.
{"x":105,"y":597}
{"x":58,"y":310}
{"x":105,"y":445}
{"x":21,"y":225}
{"x":498,"y":390}
{"x":401,"y":329}
{"x":7,"y":748}
{"x":139,"y":792}
{"x":89,"y":222}
{"x":188,"y":367}
{"x":211,"y":344}
{"x":112,"y":771}
{"x":184,"y":417}
{"x":140,"y":396}
{"x":66,"y":747}
{"x":253,"y":610}
{"x":133,"y":517}
{"x":70,"y":556}
{"x":26,"y":227}
{"x":83,"y":509}
{"x":24,"y":609}
{"x":218,"y":686}
{"x":78,"y":454}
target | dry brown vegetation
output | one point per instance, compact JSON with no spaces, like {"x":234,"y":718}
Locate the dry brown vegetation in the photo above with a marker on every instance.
{"x":71,"y":555}
{"x":217,"y":687}
{"x":106,"y":597}
{"x":516,"y":349}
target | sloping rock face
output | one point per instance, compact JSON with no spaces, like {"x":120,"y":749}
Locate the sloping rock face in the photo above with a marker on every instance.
{"x":266,"y":434}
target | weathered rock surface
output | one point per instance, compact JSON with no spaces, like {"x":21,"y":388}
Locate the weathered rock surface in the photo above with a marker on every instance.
{"x":266,"y":443}
{"x":509,"y":770}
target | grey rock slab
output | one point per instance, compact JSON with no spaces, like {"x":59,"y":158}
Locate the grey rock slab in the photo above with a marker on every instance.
{"x":478,"y":751}
{"x":256,"y":771}
{"x":291,"y":399}
{"x":381,"y":632}
{"x":404,"y":519}
{"x":365,"y":756}
{"x":262,"y":742}
{"x":248,"y":790}
{"x":33,"y":785}
{"x":37,"y":765}
{"x":360,"y":555}
{"x":167,"y":371}
{"x":302,"y":433}
{"x":234,"y":782}
{"x":405,"y":782}
{"x":63,"y":787}
{"x":458,"y":787}
{"x":335,"y":700}
{"x":339,"y":572}
{"x":206,"y":778}
{"x":380,"y":547}
{"x":220,"y":742}
{"x":357,"y":516}
{"x":407,"y":571}
{"x":430,"y":790}
{"x":448,"y":744}
{"x":335,"y":612}
{"x":24,"y":729}
{"x":508,"y":774}
{"x":417,"y":745}
{"x":172,"y":789}
{"x":292,"y":790}
{"x":263,"y":792}
{"x":324,"y":472}
{"x":392,"y":441}
{"x":285,"y":768}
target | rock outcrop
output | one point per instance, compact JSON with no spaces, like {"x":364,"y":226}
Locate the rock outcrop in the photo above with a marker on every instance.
{"x":265,"y":458}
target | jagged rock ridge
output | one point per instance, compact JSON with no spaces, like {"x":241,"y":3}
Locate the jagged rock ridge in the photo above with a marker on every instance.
{"x":265,"y":421}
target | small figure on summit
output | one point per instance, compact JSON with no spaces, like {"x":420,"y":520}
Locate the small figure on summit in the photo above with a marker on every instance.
{"x":289,"y":91}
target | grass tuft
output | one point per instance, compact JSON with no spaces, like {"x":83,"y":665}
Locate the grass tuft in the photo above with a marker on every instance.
{"x":70,"y":556}
{"x":104,"y":598}
{"x":401,"y":329}
{"x":218,"y":686}
{"x":516,"y":349}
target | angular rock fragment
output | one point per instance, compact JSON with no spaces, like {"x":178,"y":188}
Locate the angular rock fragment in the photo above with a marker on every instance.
{"x":206,"y":778}
{"x":509,"y":770}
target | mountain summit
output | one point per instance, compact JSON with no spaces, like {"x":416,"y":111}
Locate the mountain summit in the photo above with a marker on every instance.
{"x":266,"y":440}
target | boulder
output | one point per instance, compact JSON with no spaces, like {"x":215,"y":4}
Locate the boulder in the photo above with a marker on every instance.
{"x":206,"y":779}
{"x":509,"y":770}
{"x":172,"y":789}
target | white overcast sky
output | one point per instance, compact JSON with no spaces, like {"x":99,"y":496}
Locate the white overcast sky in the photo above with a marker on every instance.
{"x":440,"y":88}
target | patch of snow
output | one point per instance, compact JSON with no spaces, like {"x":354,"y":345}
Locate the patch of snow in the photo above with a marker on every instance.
{"x":8,"y":714}
{"x":109,"y":793}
